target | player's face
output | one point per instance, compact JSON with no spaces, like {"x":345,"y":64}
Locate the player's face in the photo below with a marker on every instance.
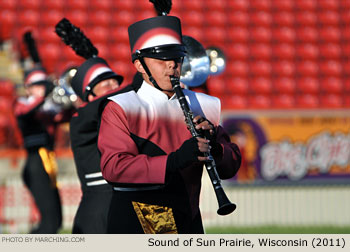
{"x":105,"y":86}
{"x":36,"y":90}
{"x":161,"y":71}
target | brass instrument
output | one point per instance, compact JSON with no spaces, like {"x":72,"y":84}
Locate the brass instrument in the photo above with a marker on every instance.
{"x":62,"y":96}
{"x":63,"y":93}
{"x":200,"y":63}
{"x":217,"y":60}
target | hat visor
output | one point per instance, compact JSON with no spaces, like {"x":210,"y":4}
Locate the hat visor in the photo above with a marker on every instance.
{"x":165,"y":52}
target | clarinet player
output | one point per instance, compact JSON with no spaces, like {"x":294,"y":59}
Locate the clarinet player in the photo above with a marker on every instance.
{"x":147,"y":153}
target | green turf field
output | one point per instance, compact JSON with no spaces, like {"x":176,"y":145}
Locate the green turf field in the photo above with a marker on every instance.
{"x":279,"y":230}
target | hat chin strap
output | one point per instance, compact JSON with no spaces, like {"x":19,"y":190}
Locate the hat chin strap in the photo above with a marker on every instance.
{"x":142,"y":61}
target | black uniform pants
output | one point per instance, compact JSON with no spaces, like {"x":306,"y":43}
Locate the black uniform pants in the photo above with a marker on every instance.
{"x":92,"y":214}
{"x":45,"y":195}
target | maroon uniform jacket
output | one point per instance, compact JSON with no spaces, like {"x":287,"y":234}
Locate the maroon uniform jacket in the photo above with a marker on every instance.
{"x":140,"y":129}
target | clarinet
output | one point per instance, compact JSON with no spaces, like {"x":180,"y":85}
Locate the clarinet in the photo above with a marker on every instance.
{"x":225,"y":206}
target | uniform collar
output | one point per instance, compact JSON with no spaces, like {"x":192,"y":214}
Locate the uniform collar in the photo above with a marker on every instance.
{"x":147,"y":90}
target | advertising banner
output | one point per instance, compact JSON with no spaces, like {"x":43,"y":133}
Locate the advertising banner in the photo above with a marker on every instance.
{"x":291,"y":147}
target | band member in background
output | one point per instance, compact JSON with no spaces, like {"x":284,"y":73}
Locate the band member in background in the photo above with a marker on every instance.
{"x":93,"y":82}
{"x":147,"y":152}
{"x":38,"y":120}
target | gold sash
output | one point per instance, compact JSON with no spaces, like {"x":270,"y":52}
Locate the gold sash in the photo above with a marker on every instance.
{"x":49,"y":161}
{"x":155,"y":219}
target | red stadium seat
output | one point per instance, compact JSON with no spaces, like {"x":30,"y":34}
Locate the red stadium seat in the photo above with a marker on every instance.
{"x":68,"y":54}
{"x":238,"y":18}
{"x":261,"y":18}
{"x":29,"y":4}
{"x":98,"y":34}
{"x":193,"y":18}
{"x":284,"y":68}
{"x":49,"y":5}
{"x":215,"y":18}
{"x":283,"y":18}
{"x":344,"y":4}
{"x":50,"y":18}
{"x":29,"y":18}
{"x":102,"y":5}
{"x":284,"y":85}
{"x":194,"y":31}
{"x":100,"y":18}
{"x":124,"y":18}
{"x":307,"y":51}
{"x":146,"y":5}
{"x":282,"y":5}
{"x":143,"y":14}
{"x":306,"y":4}
{"x":219,"y":5}
{"x":124,"y":68}
{"x":330,"y":34}
{"x":48,"y":35}
{"x":345,"y":16}
{"x":307,"y":101}
{"x":332,"y":85}
{"x":307,"y":68}
{"x":283,"y":51}
{"x":260,"y":4}
{"x":346,"y":100}
{"x":259,"y":102}
{"x":50,"y":53}
{"x":260,"y":85}
{"x":260,"y":51}
{"x":283,"y":101}
{"x":237,"y":51}
{"x":234,"y":102}
{"x":215,"y":35}
{"x":237,"y":68}
{"x":238,"y":34}
{"x":237,"y":86}
{"x":331,"y":101}
{"x":284,"y":34}
{"x":260,"y":68}
{"x":306,"y":18}
{"x":103,"y":50}
{"x":216,"y":86}
{"x":120,"y":51}
{"x":260,"y":34}
{"x":331,"y":67}
{"x":119,"y":34}
{"x":329,"y":18}
{"x":7,"y":20}
{"x":328,"y":4}
{"x":193,"y":5}
{"x":8,"y":5}
{"x":330,"y":51}
{"x":307,"y":34}
{"x":78,"y":18}
{"x":308,"y":85}
{"x":347,"y":86}
{"x":77,"y":5}
{"x":346,"y":34}
{"x":238,"y":5}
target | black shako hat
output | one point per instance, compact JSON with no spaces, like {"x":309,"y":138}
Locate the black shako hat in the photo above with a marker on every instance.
{"x":36,"y":76}
{"x":158,"y":37}
{"x":89,"y":74}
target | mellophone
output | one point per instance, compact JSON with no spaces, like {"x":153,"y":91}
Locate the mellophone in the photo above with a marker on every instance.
{"x":225,"y":206}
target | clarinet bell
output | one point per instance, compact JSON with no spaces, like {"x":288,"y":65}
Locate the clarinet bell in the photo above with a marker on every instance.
{"x":225,"y":206}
